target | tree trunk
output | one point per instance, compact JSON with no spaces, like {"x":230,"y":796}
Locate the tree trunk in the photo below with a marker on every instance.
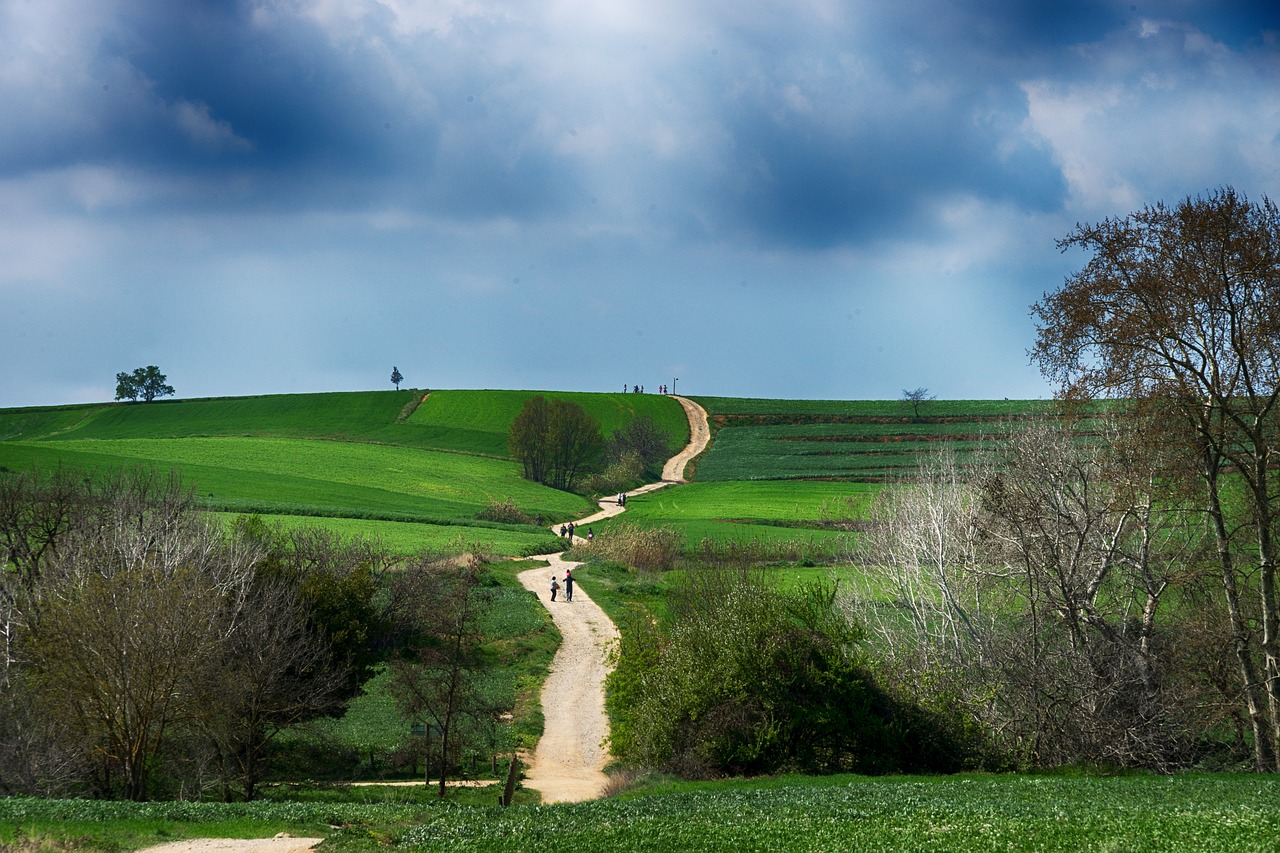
{"x":1263,"y":747}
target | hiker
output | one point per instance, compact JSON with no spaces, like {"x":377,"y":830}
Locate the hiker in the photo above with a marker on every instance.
{"x":568,"y":584}
{"x":620,"y":498}
{"x":555,"y":587}
{"x":591,"y":535}
{"x":562,"y":530}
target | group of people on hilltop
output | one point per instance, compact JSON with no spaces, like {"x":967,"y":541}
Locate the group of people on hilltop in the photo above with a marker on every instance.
{"x":568,"y":585}
{"x":639,"y":389}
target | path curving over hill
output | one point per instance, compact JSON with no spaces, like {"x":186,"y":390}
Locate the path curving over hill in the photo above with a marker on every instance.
{"x":699,"y":438}
{"x":568,"y":764}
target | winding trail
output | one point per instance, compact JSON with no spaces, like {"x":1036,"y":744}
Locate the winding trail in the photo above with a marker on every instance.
{"x":568,"y":764}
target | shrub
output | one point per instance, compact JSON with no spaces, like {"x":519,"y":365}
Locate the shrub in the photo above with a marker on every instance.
{"x":645,"y":548}
{"x":505,"y":511}
{"x":750,"y":680}
{"x":619,"y":475}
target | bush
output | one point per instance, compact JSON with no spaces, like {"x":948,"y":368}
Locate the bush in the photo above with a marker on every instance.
{"x":619,"y":475}
{"x":506,"y":512}
{"x":645,"y":548}
{"x":750,"y":680}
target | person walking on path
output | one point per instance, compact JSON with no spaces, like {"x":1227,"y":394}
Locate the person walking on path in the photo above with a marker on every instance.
{"x":568,"y":584}
{"x":555,"y":587}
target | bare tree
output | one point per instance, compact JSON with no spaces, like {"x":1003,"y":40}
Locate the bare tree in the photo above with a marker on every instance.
{"x":1181,"y":307}
{"x":120,"y":658}
{"x":1031,"y":590}
{"x":435,"y":680}
{"x":1080,"y":527}
{"x":275,"y":672}
{"x":917,"y":399}
{"x":922,"y":545}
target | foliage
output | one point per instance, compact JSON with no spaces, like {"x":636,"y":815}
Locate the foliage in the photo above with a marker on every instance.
{"x":145,"y":382}
{"x":1036,"y":595}
{"x":435,"y":676}
{"x":1178,"y":308}
{"x":645,"y":548}
{"x":749,"y":679}
{"x":504,"y":511}
{"x":555,"y":441}
{"x":396,"y":377}
{"x":642,"y":438}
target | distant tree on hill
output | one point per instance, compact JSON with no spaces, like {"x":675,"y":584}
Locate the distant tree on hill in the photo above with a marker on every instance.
{"x":396,"y":377}
{"x":916,"y":399}
{"x":145,"y":382}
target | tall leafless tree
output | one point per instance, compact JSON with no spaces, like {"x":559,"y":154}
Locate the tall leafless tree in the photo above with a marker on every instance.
{"x":1180,"y":306}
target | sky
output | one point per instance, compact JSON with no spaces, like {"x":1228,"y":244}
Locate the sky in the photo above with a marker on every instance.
{"x":807,"y":199}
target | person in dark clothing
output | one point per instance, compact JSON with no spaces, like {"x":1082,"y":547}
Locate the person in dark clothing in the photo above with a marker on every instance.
{"x":568,"y":585}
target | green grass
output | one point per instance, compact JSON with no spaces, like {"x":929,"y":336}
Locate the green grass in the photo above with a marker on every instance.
{"x":413,"y":537}
{"x":854,"y":440}
{"x":342,"y":480}
{"x":369,"y":460}
{"x":766,"y":511}
{"x":1054,"y":813}
{"x":790,"y":409}
{"x":478,"y":421}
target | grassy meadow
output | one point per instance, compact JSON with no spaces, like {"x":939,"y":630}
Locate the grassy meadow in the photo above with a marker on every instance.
{"x":413,"y":470}
{"x":1056,"y":813}
{"x":416,"y":470}
{"x":770,"y":513}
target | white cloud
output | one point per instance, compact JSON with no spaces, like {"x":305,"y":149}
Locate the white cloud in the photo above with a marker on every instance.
{"x":1175,"y":113}
{"x":196,"y":123}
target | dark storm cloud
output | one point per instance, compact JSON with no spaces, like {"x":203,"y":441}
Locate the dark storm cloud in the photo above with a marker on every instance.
{"x":813,"y":197}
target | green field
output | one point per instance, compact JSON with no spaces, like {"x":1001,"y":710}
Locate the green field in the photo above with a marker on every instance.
{"x":848,"y":440}
{"x":1130,"y":813}
{"x":410,"y":469}
{"x":742,"y":511}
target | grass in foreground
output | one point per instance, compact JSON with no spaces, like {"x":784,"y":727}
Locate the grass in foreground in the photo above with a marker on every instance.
{"x":1131,"y":813}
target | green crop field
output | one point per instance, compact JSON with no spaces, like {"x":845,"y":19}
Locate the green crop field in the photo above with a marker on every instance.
{"x":766,"y":511}
{"x":859,"y":440}
{"x":1131,"y":813}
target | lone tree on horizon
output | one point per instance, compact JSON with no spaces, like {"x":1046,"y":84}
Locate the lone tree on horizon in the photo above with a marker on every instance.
{"x":145,"y":382}
{"x":396,"y":376}
{"x":917,"y":398}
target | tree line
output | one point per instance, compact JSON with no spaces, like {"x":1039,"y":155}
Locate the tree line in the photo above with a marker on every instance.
{"x":1104,"y":588}
{"x":560,"y":444}
{"x":148,"y":652}
{"x":1100,"y":590}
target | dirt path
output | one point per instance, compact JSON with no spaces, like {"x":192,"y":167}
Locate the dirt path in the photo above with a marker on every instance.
{"x":699,"y":437}
{"x":568,"y":764}
{"x":279,"y":844}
